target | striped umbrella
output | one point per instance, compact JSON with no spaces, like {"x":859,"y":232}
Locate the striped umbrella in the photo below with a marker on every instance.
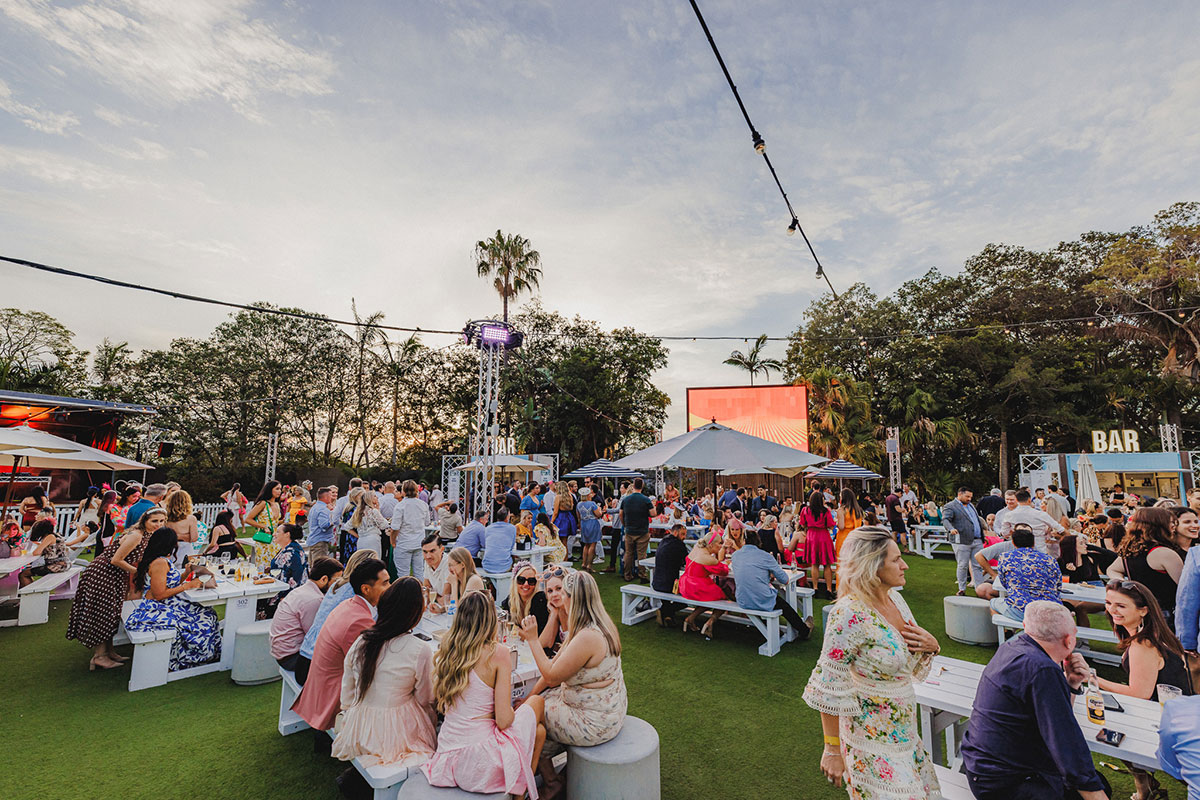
{"x":843,"y":469}
{"x":603,"y":468}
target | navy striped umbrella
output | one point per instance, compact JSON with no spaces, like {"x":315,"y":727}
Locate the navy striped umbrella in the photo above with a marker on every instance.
{"x":603,"y":468}
{"x":843,"y":469}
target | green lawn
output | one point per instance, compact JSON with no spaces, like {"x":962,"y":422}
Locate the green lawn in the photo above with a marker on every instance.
{"x":732,"y":723}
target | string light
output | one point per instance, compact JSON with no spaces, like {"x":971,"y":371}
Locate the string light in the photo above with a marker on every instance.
{"x":791,"y":231}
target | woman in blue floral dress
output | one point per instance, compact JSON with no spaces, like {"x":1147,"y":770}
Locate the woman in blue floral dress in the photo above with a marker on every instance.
{"x":197,"y":632}
{"x":291,"y":560}
{"x":863,"y":682}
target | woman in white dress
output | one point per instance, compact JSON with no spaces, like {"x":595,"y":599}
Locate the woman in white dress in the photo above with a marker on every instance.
{"x":369,"y":523}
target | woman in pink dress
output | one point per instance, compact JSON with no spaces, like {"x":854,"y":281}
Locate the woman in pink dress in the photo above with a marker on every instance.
{"x":387,"y":686}
{"x":817,"y":524}
{"x":697,"y":582}
{"x":484,"y":745}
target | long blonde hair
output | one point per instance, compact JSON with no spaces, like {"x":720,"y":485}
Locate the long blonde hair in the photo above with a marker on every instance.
{"x":471,"y":633}
{"x":178,"y":505}
{"x":863,"y":555}
{"x":517,"y":608}
{"x":360,"y":509}
{"x":566,"y":499}
{"x":587,"y":610}
{"x":356,"y":558}
{"x":462,"y":556}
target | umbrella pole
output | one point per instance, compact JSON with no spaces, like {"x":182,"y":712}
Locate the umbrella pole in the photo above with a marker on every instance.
{"x":8,"y":494}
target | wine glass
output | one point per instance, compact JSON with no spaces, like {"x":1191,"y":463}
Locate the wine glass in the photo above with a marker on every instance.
{"x":225,"y":562}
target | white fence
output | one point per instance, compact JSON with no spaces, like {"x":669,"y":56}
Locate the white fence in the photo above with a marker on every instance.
{"x":65,"y":515}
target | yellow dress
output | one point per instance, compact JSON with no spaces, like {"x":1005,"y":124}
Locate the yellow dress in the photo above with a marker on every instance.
{"x":865,"y":677}
{"x":548,"y":538}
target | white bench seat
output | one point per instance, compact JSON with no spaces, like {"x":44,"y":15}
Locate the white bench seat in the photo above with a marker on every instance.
{"x":35,"y":598}
{"x":954,"y":783}
{"x":767,"y":622}
{"x":1004,"y":625}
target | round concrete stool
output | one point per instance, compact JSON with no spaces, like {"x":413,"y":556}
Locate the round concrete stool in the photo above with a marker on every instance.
{"x":625,"y":768}
{"x":969,"y":620}
{"x":417,"y":788}
{"x":252,"y":662}
{"x":825,"y":616}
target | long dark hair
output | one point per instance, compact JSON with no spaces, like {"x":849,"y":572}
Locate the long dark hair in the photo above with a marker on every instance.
{"x":41,"y":529}
{"x":225,"y":518}
{"x":400,"y":610}
{"x":816,"y":505}
{"x":163,"y":543}
{"x":107,"y":501}
{"x":265,"y":496}
{"x":129,"y":491}
{"x":39,"y":494}
{"x":92,"y":493}
{"x":850,"y":503}
{"x":1148,"y":528}
{"x":1155,"y":630}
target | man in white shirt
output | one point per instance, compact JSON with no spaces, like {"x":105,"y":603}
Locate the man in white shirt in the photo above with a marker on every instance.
{"x":1039,"y":521}
{"x":548,"y":500}
{"x":1010,"y":502}
{"x":387,"y":500}
{"x":907,"y":495}
{"x":408,"y":531}
{"x":437,"y":566}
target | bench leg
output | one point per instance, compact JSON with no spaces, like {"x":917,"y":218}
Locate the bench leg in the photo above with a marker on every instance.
{"x":34,"y":608}
{"x":770,"y":629}
{"x":289,"y":721}
{"x":151,"y":662}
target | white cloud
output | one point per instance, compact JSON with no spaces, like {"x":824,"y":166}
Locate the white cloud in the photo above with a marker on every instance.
{"x":172,"y":52}
{"x":34,"y":117}
{"x":119,"y":120}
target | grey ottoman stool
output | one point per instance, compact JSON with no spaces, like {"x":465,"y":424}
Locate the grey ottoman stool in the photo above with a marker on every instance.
{"x":252,"y":662}
{"x":969,"y":620}
{"x":625,"y":768}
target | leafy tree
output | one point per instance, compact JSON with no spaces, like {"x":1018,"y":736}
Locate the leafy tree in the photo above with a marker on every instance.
{"x":514,"y":266}
{"x":753,"y":361}
{"x":840,"y":423}
{"x":38,"y":354}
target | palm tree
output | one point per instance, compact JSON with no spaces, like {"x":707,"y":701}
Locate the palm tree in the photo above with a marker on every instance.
{"x":840,"y":423}
{"x":513,"y":265}
{"x":753,"y":362}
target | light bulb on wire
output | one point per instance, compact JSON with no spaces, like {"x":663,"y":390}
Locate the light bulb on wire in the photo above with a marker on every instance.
{"x":760,"y":146}
{"x":793,"y":227}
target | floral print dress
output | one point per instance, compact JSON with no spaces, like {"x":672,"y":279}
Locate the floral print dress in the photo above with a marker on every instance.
{"x":197,"y":631}
{"x":865,"y":677}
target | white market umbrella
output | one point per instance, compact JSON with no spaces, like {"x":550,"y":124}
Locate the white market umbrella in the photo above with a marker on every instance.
{"x":505,"y":463}
{"x":40,"y":450}
{"x":603,"y":468}
{"x":1087,"y":486}
{"x":722,"y":449}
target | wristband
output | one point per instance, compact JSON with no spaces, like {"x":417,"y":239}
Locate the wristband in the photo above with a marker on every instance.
{"x":833,"y":741}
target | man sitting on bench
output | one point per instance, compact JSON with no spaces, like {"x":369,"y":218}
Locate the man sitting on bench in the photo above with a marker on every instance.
{"x":295,"y":615}
{"x":752,"y":570}
{"x":668,"y":562}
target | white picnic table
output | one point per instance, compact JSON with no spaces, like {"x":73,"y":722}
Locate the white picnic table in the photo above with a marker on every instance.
{"x":524,"y":676}
{"x":791,"y":594}
{"x":1083,"y":592}
{"x":946,"y":697}
{"x":8,"y":591}
{"x":693,"y":531}
{"x":244,"y":596}
{"x":927,"y":538}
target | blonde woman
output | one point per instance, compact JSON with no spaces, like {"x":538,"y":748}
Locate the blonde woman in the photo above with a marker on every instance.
{"x":524,"y":597}
{"x":863,"y":682}
{"x":554,"y":634}
{"x":463,"y":579}
{"x":484,"y":745}
{"x":368,"y":523}
{"x":178,"y":506}
{"x":587,"y":702}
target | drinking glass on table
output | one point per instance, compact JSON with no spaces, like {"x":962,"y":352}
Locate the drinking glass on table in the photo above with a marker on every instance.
{"x":1167,"y":692}
{"x":225,"y":560}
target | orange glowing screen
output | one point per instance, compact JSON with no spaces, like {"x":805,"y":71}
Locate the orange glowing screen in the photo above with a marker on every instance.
{"x":776,"y":413}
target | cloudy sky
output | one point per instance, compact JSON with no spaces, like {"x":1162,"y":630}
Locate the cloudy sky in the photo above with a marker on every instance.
{"x":308,"y":153}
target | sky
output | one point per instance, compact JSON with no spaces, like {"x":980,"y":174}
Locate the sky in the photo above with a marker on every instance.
{"x":309,"y":153}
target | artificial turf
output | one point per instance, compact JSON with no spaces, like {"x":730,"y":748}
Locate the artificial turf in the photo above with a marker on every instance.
{"x":731,"y":723}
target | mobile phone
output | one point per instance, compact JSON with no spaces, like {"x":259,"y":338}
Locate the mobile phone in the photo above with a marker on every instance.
{"x":420,"y":635}
{"x":1110,"y":703}
{"x":1110,"y":737}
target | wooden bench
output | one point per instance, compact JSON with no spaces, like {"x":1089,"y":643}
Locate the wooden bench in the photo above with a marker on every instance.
{"x":34,"y":599}
{"x":954,"y":783}
{"x":767,"y":622}
{"x":1005,"y":625}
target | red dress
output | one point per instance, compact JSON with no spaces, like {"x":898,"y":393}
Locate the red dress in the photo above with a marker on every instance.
{"x":696,"y":582}
{"x":818,"y":544}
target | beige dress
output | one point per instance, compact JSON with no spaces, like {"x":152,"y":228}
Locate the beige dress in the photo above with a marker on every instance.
{"x":579,"y":716}
{"x":393,"y":723}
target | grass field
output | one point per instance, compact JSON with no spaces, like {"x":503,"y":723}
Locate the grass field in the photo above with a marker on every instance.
{"x":732,"y":723}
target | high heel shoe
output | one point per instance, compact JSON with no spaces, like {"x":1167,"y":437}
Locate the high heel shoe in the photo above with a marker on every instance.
{"x":93,"y":665}
{"x":690,"y":627}
{"x":707,"y":631}
{"x":123,"y":659}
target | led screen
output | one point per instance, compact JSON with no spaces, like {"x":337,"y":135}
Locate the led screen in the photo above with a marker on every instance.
{"x":776,"y":413}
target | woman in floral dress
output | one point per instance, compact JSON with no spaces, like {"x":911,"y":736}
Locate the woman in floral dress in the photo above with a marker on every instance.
{"x":266,"y":517}
{"x":863,"y":682}
{"x":197,"y":631}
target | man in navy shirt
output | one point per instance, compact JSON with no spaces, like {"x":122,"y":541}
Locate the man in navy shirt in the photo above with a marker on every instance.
{"x":668,"y":562}
{"x":729,"y":498}
{"x":1022,"y":742}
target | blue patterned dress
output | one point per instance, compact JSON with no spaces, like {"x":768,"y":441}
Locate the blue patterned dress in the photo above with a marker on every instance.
{"x":197,"y":631}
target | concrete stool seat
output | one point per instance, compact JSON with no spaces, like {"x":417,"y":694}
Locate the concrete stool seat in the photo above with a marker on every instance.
{"x":625,"y":768}
{"x":417,"y":788}
{"x":969,"y":620}
{"x":252,"y":662}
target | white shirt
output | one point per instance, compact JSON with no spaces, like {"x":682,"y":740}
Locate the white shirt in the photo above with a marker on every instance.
{"x":548,"y":500}
{"x":999,"y":516}
{"x":908,"y":497}
{"x":408,"y":521}
{"x":439,"y":577}
{"x":1040,"y":521}
{"x":387,"y":504}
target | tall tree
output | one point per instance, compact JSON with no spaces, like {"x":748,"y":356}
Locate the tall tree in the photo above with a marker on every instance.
{"x":753,"y":360}
{"x":840,"y":424}
{"x":514,"y":266}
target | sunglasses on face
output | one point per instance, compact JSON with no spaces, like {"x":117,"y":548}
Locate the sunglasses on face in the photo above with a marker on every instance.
{"x":522,"y":580}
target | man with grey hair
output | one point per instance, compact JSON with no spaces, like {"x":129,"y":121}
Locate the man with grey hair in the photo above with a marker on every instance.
{"x":1022,"y":742}
{"x":152,"y":497}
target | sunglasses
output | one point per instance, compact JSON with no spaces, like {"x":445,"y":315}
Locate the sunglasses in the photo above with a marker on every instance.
{"x":555,"y":572}
{"x":522,"y":580}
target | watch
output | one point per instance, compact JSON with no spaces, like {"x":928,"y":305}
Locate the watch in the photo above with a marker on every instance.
{"x":1076,"y":691}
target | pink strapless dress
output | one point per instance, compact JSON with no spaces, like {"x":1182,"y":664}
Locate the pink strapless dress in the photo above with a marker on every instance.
{"x":475,"y":755}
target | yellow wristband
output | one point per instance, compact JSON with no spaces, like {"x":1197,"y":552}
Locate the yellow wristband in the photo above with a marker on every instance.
{"x":833,"y":741}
